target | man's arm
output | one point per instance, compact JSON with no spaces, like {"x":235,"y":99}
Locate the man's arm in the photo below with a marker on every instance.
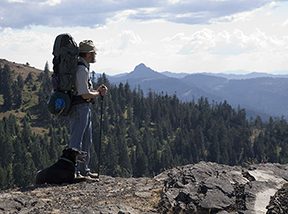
{"x":101,"y":91}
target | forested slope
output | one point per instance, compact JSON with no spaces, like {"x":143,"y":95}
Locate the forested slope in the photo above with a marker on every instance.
{"x":142,"y":136}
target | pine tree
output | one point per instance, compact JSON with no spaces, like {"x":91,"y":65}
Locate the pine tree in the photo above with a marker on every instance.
{"x":200,"y":143}
{"x":37,"y":154}
{"x":54,"y":149}
{"x":155,"y":162}
{"x":141,"y":164}
{"x":7,"y":88}
{"x":7,"y":133}
{"x":17,"y":91}
{"x":214,"y":150}
{"x":29,"y":79}
{"x":45,"y":90}
{"x":110,"y":158}
{"x":20,"y":82}
{"x":7,"y":150}
{"x":166,"y":157}
{"x":2,"y":178}
{"x":193,"y":146}
{"x":9,"y":179}
{"x":284,"y":152}
{"x":18,"y":163}
{"x":26,"y":134}
{"x":124,"y":160}
{"x":1,"y":80}
{"x":259,"y":147}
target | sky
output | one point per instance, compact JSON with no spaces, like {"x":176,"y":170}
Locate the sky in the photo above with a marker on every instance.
{"x":188,"y":36}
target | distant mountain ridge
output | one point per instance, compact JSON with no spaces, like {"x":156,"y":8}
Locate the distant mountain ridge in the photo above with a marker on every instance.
{"x":249,"y":75}
{"x":259,"y":93}
{"x":229,"y":75}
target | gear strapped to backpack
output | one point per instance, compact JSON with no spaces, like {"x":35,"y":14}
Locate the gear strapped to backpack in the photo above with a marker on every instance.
{"x":65,"y":62}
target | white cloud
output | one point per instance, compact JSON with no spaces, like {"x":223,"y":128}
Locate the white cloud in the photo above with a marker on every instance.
{"x":175,"y":35}
{"x":273,"y":4}
{"x":52,"y":2}
{"x":225,"y":42}
{"x":208,"y":50}
{"x":173,"y":1}
{"x":73,"y":13}
{"x":285,"y":23}
{"x":19,"y":1}
{"x":26,"y":46}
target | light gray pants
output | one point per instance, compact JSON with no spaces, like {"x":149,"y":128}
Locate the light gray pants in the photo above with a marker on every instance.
{"x":81,"y":133}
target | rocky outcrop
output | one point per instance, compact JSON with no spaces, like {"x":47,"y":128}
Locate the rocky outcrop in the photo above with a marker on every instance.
{"x":199,"y":188}
{"x":279,"y":202}
{"x":213,"y":188}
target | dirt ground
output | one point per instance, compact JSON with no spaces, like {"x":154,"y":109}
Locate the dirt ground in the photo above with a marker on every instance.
{"x":109,"y":195}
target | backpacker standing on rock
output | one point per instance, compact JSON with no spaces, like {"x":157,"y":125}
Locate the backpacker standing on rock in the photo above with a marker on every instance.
{"x":80,"y":116}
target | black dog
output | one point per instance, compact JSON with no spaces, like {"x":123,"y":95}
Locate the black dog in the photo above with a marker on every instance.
{"x":63,"y":171}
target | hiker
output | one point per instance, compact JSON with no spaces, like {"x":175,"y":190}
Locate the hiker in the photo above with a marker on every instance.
{"x":80,"y":116}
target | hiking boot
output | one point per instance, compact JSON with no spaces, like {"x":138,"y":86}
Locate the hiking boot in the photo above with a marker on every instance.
{"x":78,"y":175}
{"x":92,"y":175}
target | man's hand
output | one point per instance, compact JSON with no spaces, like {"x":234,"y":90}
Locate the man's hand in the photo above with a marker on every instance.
{"x":102,"y":89}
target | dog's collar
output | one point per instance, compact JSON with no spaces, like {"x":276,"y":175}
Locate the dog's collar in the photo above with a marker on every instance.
{"x":66,"y":159}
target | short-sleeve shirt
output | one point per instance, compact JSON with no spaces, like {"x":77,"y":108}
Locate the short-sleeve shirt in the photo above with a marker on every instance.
{"x":83,"y":82}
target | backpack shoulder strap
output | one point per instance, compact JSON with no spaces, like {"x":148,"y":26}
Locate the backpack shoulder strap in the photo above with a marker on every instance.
{"x":81,"y":63}
{"x":89,"y":80}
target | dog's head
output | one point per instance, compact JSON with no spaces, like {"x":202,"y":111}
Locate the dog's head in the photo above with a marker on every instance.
{"x":74,"y":155}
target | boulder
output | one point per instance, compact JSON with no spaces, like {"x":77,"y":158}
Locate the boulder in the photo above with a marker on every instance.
{"x":214,"y":188}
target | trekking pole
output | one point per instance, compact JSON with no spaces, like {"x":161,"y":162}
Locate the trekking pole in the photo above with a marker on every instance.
{"x":100,"y":136}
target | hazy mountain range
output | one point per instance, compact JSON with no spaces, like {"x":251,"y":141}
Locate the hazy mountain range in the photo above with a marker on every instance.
{"x":259,"y":93}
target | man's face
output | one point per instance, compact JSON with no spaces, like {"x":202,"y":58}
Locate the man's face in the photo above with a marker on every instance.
{"x":92,"y":57}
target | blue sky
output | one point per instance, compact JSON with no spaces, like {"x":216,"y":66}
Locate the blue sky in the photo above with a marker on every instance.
{"x":167,"y":35}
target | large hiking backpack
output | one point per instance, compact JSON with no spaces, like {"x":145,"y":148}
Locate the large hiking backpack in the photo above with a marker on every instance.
{"x":65,"y":60}
{"x":65,"y":52}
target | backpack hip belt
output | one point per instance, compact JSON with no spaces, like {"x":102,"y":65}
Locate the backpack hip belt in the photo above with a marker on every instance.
{"x":78,"y":99}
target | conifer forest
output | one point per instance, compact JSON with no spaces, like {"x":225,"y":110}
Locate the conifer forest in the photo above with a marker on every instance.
{"x":141,"y":135}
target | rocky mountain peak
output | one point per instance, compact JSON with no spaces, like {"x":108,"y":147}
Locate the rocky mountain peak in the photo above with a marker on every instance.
{"x":140,"y":66}
{"x":142,"y":71}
